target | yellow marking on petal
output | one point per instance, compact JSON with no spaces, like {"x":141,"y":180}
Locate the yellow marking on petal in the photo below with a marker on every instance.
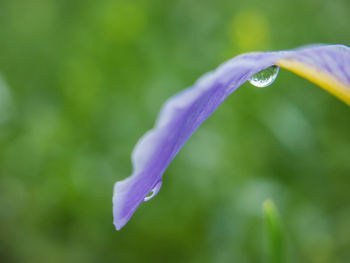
{"x":319,"y":77}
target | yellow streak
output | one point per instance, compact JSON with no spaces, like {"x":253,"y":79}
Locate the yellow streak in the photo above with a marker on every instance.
{"x":319,"y":77}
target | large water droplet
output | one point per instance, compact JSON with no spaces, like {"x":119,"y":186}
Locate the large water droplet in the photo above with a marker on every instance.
{"x":153,"y":192}
{"x":265,"y":77}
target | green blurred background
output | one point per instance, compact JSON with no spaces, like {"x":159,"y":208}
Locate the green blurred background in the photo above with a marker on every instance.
{"x":82,"y":81}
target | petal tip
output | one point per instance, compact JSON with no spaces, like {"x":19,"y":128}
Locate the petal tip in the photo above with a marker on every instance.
{"x":118,"y":225}
{"x":126,"y":198}
{"x":118,"y":219}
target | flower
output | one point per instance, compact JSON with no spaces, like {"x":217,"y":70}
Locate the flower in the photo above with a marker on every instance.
{"x":181,"y":115}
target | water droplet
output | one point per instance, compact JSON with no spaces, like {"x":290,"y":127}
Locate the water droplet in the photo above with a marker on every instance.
{"x":265,"y":77}
{"x":153,"y":192}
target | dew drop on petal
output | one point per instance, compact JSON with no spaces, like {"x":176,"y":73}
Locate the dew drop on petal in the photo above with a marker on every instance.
{"x":265,"y":77}
{"x":153,"y":192}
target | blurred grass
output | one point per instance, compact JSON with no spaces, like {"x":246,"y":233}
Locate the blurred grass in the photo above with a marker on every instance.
{"x":275,"y":235}
{"x":81,"y":81}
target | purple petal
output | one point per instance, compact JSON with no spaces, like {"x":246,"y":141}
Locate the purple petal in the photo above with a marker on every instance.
{"x":182,"y":114}
{"x":326,"y":66}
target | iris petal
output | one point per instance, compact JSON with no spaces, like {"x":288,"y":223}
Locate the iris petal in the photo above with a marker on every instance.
{"x":326,"y":68}
{"x":182,"y":114}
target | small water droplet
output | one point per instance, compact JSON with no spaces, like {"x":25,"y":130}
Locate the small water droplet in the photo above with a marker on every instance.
{"x":153,"y":192}
{"x":265,"y":77}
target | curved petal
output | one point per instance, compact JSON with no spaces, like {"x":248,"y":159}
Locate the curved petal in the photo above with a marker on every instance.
{"x":326,"y":66}
{"x":183,"y":113}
